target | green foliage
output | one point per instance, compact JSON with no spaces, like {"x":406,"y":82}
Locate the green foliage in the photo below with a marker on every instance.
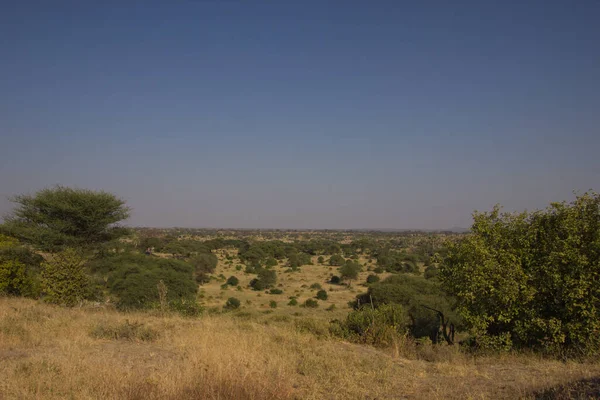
{"x":320,"y":260}
{"x":378,"y":327}
{"x":19,"y":270}
{"x":64,"y":280}
{"x":204,"y":263}
{"x":293,"y":302}
{"x":431,"y":272}
{"x":531,"y":279}
{"x":13,"y":278}
{"x":311,"y":303}
{"x":397,"y":262}
{"x":271,"y":262}
{"x":275,"y":291}
{"x":349,"y":271}
{"x":335,"y":280}
{"x":62,"y":217}
{"x":321,"y":295}
{"x":373,"y":279}
{"x":273,"y":304}
{"x":266,"y":278}
{"x":315,"y":286}
{"x":418,"y":297}
{"x":186,"y":307}
{"x":336,"y":260}
{"x":233,"y":281}
{"x":232,"y":304}
{"x":133,"y":279}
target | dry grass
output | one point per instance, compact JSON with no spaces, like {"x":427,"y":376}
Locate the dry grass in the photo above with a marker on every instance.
{"x":55,"y":353}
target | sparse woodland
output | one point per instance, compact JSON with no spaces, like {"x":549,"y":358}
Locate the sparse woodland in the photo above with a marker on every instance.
{"x":91,"y":309}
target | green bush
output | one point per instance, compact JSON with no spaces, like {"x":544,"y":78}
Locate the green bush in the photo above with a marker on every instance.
{"x":336,"y":260}
{"x":321,"y":295}
{"x":233,"y":281}
{"x":273,"y":304}
{"x":373,"y":279}
{"x":320,"y":260}
{"x":378,"y":327}
{"x":266,"y":278}
{"x":335,"y":280}
{"x":418,"y":296}
{"x":531,"y":279}
{"x":232,"y":304}
{"x":315,"y":286}
{"x":311,"y":303}
{"x":293,"y":302}
{"x":275,"y":291}
{"x":133,"y":280}
{"x":64,"y":280}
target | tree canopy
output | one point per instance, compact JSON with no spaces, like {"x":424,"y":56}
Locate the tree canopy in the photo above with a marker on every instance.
{"x":531,"y":279}
{"x":63,"y":217}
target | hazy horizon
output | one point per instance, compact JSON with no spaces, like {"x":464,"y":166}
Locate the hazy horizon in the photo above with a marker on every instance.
{"x":303,"y":115}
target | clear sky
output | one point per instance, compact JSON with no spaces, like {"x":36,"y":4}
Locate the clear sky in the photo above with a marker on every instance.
{"x":302,"y":114}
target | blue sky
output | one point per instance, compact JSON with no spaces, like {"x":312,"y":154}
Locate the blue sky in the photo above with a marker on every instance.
{"x":302,"y":114}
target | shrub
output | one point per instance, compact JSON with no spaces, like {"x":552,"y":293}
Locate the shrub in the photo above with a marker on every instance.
{"x":373,"y":279}
{"x":266,"y":278}
{"x":336,"y":260}
{"x":419,"y":297}
{"x":186,"y":308}
{"x":378,"y":270}
{"x":335,"y":280}
{"x":311,"y":303}
{"x":378,"y":327}
{"x":233,"y":281}
{"x":321,"y":295}
{"x":273,"y":304}
{"x":275,"y":291}
{"x":315,"y":286}
{"x":293,"y":302}
{"x":320,"y":260}
{"x":232,"y":304}
{"x":133,"y":279}
{"x":330,"y":308}
{"x":64,"y":280}
{"x":531,"y":279}
{"x":350,"y":270}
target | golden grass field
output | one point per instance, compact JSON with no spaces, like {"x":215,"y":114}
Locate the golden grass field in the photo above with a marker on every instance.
{"x":257,"y":352}
{"x":50,"y":352}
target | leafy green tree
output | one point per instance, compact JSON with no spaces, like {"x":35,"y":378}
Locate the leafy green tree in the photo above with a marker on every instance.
{"x":266,"y":278}
{"x":373,"y":278}
{"x":63,"y":217}
{"x":531,"y":279}
{"x":336,"y":260}
{"x":349,"y":271}
{"x":64,"y":280}
{"x":429,"y":309}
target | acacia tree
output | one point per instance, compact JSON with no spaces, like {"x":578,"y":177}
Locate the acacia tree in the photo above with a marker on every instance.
{"x":531,"y":279}
{"x":61,"y":217}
